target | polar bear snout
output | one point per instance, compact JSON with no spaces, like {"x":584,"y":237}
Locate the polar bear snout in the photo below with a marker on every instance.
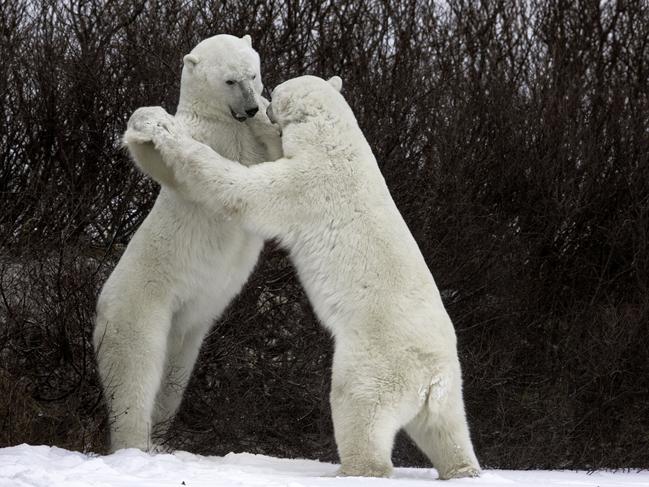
{"x":249,"y":113}
{"x":243,"y":103}
{"x":245,"y":114}
{"x":239,"y":118}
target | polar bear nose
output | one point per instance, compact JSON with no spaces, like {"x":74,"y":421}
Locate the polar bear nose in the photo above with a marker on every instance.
{"x":252,"y":111}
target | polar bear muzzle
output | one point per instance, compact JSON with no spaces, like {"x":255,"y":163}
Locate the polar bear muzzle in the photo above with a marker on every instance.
{"x":239,"y":118}
{"x":244,"y":103}
{"x":250,"y":112}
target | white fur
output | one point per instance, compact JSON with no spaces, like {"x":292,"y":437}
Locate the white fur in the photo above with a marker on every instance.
{"x":186,"y":262}
{"x":395,"y":362}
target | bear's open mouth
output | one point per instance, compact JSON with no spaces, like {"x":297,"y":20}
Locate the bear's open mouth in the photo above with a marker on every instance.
{"x":237,"y":117}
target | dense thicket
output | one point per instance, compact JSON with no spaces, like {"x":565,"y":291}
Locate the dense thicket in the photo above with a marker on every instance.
{"x":513,"y":135}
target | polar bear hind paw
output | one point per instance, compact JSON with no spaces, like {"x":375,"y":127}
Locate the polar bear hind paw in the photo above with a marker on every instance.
{"x":464,"y":471}
{"x":364,"y":470}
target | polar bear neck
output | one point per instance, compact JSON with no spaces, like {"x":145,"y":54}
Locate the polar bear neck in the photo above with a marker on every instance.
{"x":228,"y":137}
{"x":200,"y":109}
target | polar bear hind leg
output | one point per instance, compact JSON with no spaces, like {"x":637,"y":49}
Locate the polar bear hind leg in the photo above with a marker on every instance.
{"x":370,"y":402}
{"x":364,"y":432}
{"x":131,"y":355}
{"x":183,"y":347}
{"x":440,"y":430}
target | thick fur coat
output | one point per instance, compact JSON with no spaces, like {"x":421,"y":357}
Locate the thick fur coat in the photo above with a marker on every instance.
{"x":395,"y":361}
{"x":186,"y":262}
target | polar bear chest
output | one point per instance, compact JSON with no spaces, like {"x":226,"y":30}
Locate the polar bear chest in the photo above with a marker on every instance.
{"x":209,"y":254}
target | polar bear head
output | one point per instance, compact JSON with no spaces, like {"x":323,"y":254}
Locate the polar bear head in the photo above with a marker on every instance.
{"x":308,"y":97}
{"x":221,"y":76}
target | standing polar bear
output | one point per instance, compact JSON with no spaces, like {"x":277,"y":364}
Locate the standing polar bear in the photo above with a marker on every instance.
{"x":395,"y":361}
{"x":186,"y":262}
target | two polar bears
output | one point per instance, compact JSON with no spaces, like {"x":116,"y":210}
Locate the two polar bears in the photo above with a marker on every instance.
{"x":395,"y":361}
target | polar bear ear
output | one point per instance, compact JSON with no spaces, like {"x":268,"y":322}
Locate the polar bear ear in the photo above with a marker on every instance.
{"x":191,"y":60}
{"x":248,"y":40}
{"x":336,"y":82}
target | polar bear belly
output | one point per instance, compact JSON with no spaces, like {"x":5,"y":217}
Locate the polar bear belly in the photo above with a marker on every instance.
{"x":221,"y":254}
{"x":216,"y":257}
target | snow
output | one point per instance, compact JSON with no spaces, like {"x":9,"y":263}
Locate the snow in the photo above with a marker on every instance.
{"x":44,"y":466}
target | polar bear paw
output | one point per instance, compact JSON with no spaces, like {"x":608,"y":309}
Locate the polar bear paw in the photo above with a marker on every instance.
{"x":364,"y":469}
{"x":459,"y":472}
{"x":150,"y":124}
{"x":156,"y":141}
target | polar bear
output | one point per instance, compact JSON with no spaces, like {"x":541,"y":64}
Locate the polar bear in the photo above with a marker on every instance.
{"x":395,"y":360}
{"x":186,"y":262}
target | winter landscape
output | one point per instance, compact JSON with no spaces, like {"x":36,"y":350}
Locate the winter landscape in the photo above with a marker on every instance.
{"x":511,"y":143}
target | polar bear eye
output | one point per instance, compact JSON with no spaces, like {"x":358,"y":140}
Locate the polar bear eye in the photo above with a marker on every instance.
{"x":230,"y":82}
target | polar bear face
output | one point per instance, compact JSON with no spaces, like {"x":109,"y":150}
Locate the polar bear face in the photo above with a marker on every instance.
{"x":305,"y":97}
{"x":221,"y":75}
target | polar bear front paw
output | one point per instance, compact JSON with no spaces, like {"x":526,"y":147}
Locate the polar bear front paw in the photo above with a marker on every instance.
{"x":149,"y":124}
{"x":154,"y":139}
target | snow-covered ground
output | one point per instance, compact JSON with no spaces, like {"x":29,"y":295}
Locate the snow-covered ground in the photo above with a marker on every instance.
{"x":43,"y":466}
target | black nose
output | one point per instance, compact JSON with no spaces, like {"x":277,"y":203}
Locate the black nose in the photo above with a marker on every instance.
{"x":252,"y":111}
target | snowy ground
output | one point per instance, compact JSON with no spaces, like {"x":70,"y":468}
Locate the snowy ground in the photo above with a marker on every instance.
{"x":43,"y":466}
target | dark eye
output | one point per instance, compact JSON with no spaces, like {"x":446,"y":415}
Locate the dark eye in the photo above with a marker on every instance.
{"x":254,"y":76}
{"x":230,"y":82}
